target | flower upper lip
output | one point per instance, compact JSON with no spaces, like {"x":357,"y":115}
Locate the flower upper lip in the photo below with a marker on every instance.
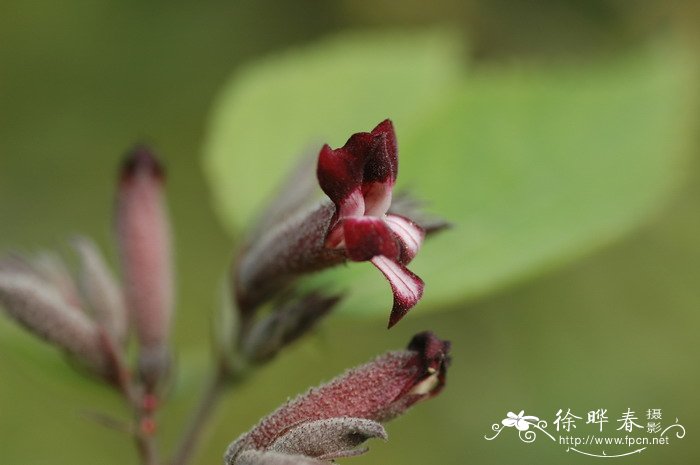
{"x":359,"y":176}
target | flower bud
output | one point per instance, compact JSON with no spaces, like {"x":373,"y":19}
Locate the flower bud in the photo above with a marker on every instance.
{"x":143,"y":234}
{"x":51,"y":267}
{"x":43,"y":311}
{"x":329,"y":421}
{"x":285,"y":325}
{"x":286,"y":252}
{"x":101,"y":291}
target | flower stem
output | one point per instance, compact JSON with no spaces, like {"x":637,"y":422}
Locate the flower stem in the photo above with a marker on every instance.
{"x":223,"y":377}
{"x":144,"y":427}
{"x":147,"y":449}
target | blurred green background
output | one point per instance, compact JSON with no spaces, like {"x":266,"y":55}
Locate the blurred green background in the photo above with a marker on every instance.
{"x":615,"y":328}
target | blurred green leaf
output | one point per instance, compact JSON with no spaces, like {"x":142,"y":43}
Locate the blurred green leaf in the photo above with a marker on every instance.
{"x":280,"y":108}
{"x":534,"y":166}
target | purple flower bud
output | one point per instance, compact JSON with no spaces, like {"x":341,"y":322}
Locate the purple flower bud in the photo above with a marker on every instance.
{"x":42,"y":310}
{"x":143,"y":233}
{"x":330,"y":421}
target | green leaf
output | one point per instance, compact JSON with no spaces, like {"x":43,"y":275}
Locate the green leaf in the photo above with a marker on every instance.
{"x":285,"y":106}
{"x":535,"y":167}
{"x":538,"y":167}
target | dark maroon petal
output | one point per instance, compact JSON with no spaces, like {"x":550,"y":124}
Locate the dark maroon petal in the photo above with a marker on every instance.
{"x":380,"y":170}
{"x":340,"y":173}
{"x":386,"y":128}
{"x":337,"y":175}
{"x":366,"y":167}
{"x":406,"y":286}
{"x":382,"y":162}
{"x":435,"y":356}
{"x":367,"y":237}
{"x":409,"y":234}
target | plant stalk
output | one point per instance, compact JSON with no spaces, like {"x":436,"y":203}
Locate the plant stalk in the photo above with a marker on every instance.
{"x":223,"y":378}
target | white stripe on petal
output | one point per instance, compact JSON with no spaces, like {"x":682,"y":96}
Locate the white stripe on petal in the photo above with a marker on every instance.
{"x":410,"y":234}
{"x":406,"y":286}
{"x":377,"y":197}
{"x":352,"y":205}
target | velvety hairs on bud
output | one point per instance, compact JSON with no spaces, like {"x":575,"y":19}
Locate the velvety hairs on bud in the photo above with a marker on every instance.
{"x":41,"y":309}
{"x":53,"y":270}
{"x":269,"y":263}
{"x":101,"y":292}
{"x":358,"y":225}
{"x":143,"y":234}
{"x":284,"y":325}
{"x":288,"y":251}
{"x":330,"y":421}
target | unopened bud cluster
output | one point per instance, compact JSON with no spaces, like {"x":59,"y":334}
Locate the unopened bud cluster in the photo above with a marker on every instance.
{"x":91,"y":314}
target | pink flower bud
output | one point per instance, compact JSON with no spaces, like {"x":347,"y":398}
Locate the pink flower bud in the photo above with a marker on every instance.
{"x":143,"y":233}
{"x":329,"y":421}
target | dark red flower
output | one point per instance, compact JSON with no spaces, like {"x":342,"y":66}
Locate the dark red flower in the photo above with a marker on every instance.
{"x":295,"y":238}
{"x":359,"y":178}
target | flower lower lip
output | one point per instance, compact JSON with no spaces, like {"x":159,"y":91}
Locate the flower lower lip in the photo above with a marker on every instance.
{"x":427,"y":385}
